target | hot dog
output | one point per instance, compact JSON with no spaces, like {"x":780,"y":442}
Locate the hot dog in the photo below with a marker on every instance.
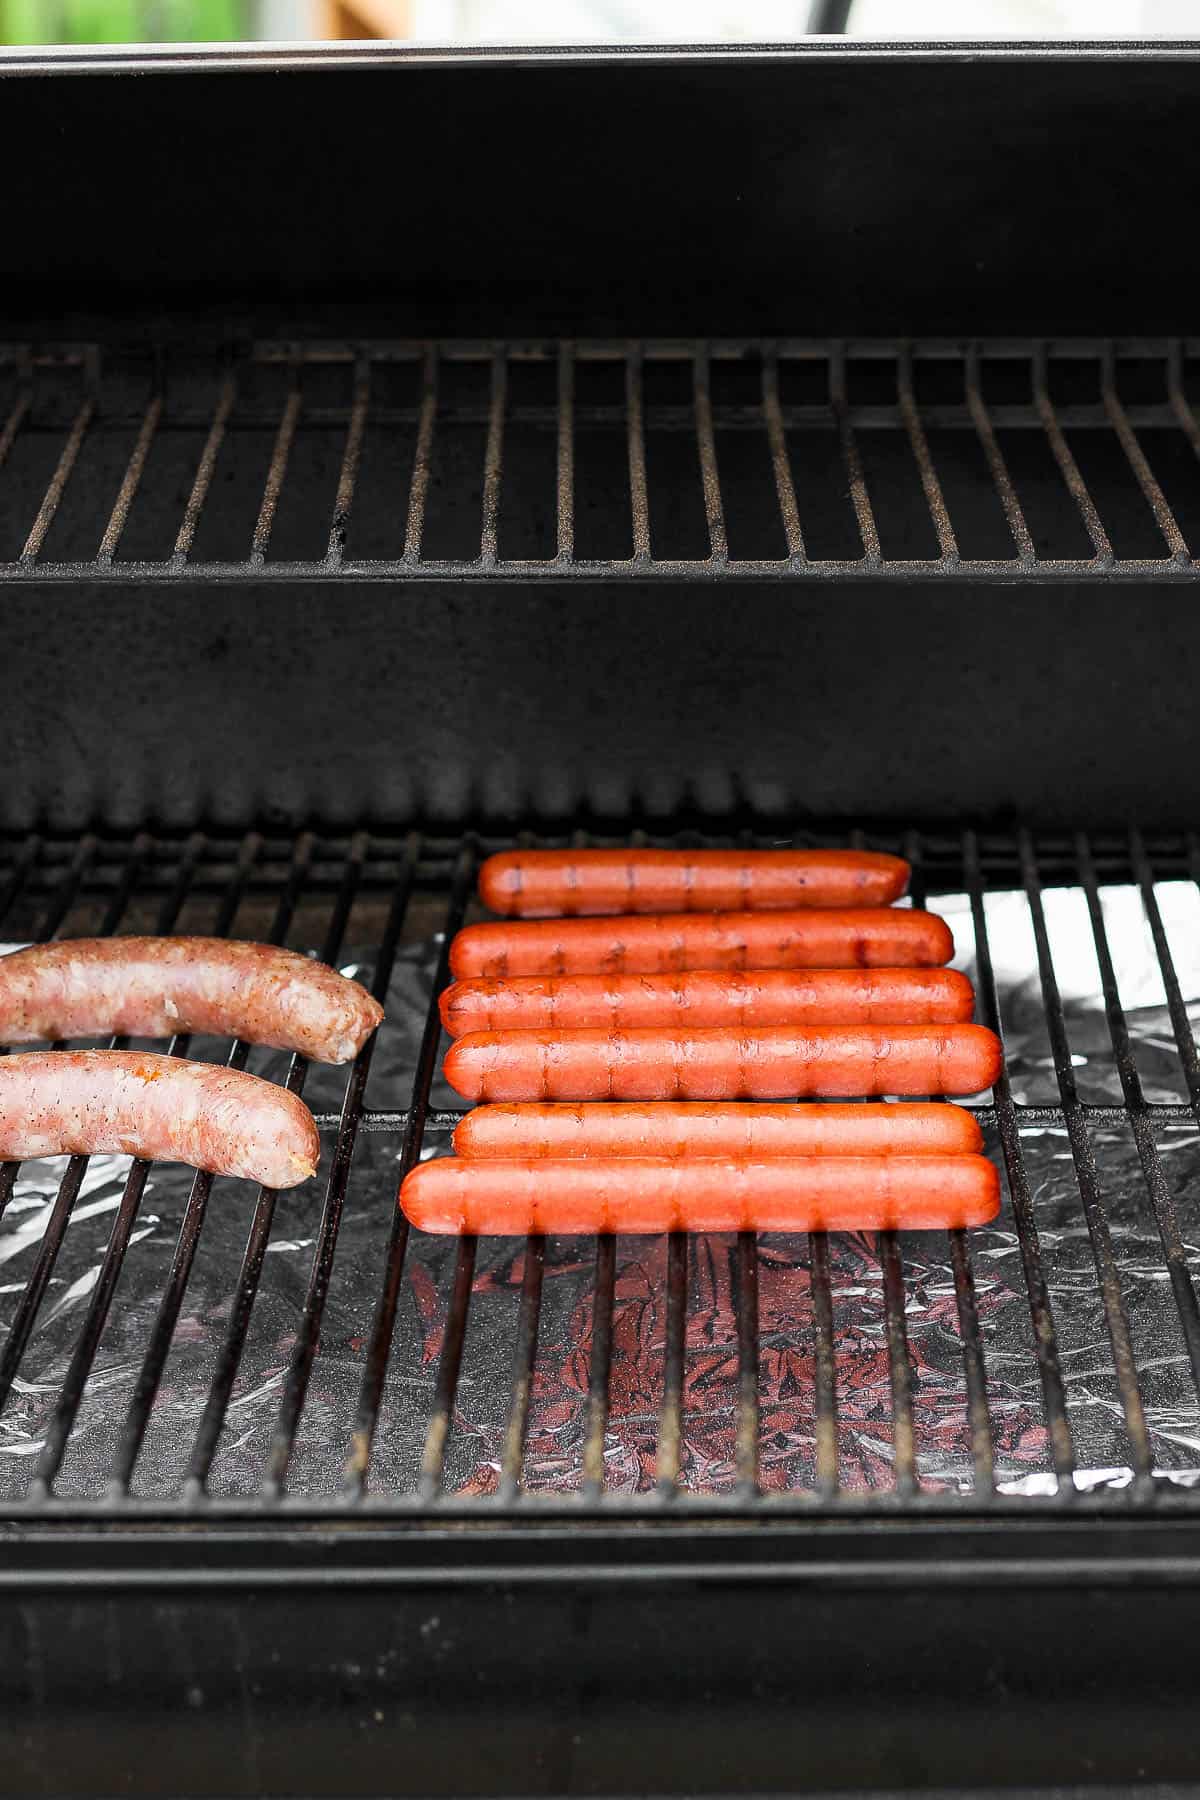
{"x":865,"y":937}
{"x":540,"y":884}
{"x":813,"y":1193}
{"x":683,"y":1128}
{"x":773,"y":1063}
{"x":706,"y":997}
{"x":157,"y":986}
{"x":160,"y":1108}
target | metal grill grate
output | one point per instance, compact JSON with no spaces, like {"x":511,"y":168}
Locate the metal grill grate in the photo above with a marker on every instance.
{"x":392,"y":894}
{"x":794,"y":458}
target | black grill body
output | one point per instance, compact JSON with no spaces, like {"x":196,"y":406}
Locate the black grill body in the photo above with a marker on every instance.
{"x":408,"y":454}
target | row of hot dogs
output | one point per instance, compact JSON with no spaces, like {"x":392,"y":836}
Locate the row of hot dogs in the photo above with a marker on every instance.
{"x":617,"y":1043}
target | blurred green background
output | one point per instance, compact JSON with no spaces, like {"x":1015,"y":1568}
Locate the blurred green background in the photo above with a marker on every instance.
{"x":121,"y":21}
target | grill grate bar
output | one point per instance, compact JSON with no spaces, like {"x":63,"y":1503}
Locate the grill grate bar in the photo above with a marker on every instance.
{"x":422,"y":469}
{"x":68,"y":1190}
{"x":1086,"y":1174}
{"x":670,"y":1422}
{"x":825,"y":1369}
{"x":358,"y":1463}
{"x":131,"y":481}
{"x":437,"y":1436}
{"x":18,"y":413}
{"x":868,"y":530}
{"x":229,"y":1358}
{"x":1164,"y":518}
{"x":997,"y":466}
{"x":600,"y":1368}
{"x":277,"y":470}
{"x":565,"y":470}
{"x":295,"y":1388}
{"x":145,"y":1390}
{"x":493,"y":461}
{"x":899,"y":1365}
{"x":932,"y":487}
{"x":1181,"y":409}
{"x":1068,"y":467}
{"x":780,"y":462}
{"x":351,"y":458}
{"x":1161,"y":1200}
{"x":974,"y":1369}
{"x":746,"y":1449}
{"x":524,"y":1359}
{"x":979,"y":1420}
{"x":62,"y":473}
{"x":706,"y":441}
{"x":1045,"y":1338}
{"x":205,"y":470}
{"x":639,"y":500}
{"x":113,"y":1260}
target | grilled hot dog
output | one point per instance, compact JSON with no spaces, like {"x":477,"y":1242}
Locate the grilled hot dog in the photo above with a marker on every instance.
{"x":806,"y":1193}
{"x":540,"y":884}
{"x":865,"y":937}
{"x":774,"y":1063}
{"x":708,"y":997}
{"x":715,"y":1128}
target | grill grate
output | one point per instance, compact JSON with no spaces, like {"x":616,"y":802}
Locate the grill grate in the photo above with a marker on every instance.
{"x":1073,"y":458}
{"x":392,"y":893}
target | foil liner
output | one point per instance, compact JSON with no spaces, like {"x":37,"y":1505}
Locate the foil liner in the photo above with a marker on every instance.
{"x":553,"y":1457}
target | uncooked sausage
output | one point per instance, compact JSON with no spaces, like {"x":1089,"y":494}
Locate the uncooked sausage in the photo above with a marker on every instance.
{"x":161,"y":1108}
{"x":158,"y":986}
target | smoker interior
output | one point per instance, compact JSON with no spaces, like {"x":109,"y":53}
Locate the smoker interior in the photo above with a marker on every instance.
{"x":588,"y":449}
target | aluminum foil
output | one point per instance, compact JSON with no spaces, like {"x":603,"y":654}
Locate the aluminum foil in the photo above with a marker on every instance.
{"x":557,"y":1408}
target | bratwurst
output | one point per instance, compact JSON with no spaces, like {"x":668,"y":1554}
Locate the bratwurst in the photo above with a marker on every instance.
{"x":160,"y":1108}
{"x":158,"y":986}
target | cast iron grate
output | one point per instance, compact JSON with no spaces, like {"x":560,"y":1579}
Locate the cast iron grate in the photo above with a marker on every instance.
{"x":331,"y":892}
{"x":810,"y":459}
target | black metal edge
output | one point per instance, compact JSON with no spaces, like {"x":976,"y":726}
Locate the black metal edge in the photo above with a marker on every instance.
{"x":102,"y":59}
{"x":871,"y":1554}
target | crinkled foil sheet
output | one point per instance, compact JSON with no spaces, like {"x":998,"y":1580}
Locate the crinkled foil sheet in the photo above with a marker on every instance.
{"x":558,"y":1402}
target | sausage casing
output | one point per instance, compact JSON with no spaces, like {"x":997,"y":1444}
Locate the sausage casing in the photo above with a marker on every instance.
{"x":695,"y":998}
{"x":804,"y":1193}
{"x":157,"y":986}
{"x":161,"y":1108}
{"x":652,"y":944}
{"x":540,"y":884}
{"x":677,"y":1128}
{"x":774,"y":1063}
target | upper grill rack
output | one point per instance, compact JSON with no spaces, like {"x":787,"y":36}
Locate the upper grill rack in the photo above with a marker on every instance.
{"x":390,"y":891}
{"x":788,"y":458}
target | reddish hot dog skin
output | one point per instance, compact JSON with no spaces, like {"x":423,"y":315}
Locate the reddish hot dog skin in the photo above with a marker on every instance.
{"x":161,"y":1108}
{"x":813,"y":1193}
{"x":848,"y":938}
{"x":699,"y":998}
{"x":675,"y":1128}
{"x":157,"y":986}
{"x":773,"y":1063}
{"x":542,"y":884}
